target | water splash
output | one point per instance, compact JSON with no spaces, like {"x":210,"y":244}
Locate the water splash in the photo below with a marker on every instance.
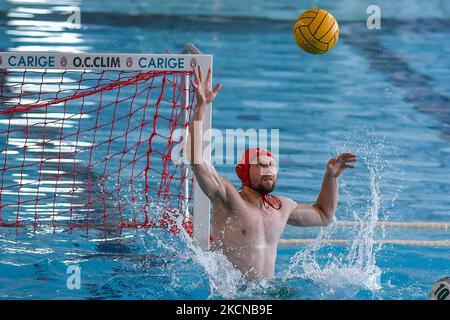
{"x":224,"y":280}
{"x":355,"y":268}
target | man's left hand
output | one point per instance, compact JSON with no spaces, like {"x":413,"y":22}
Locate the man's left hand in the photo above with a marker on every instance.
{"x":337,"y":165}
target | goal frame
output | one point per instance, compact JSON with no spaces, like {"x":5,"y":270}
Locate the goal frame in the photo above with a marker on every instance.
{"x":135,"y":62}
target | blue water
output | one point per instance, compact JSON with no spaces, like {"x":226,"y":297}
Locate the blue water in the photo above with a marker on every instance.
{"x":362,"y":96}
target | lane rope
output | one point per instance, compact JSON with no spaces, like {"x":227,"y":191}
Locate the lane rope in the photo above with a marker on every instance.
{"x":421,"y":243}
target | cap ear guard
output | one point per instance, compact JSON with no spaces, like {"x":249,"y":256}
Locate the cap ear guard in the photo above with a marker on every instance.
{"x":242,"y":171}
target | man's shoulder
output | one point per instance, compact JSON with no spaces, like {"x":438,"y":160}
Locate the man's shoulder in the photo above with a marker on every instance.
{"x":286,"y":200}
{"x":288,"y":203}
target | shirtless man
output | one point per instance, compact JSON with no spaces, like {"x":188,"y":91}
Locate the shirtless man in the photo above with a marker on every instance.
{"x":248,"y":224}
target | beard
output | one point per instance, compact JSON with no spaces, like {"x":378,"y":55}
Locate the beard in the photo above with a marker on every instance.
{"x":262,"y":187}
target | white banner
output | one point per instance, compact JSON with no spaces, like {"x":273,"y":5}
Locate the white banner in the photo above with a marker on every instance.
{"x":103,"y":61}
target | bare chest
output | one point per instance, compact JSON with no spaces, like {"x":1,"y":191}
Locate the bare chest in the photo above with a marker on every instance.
{"x":250,"y":224}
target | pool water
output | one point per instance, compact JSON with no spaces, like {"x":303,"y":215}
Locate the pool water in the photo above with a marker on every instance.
{"x":382,"y":94}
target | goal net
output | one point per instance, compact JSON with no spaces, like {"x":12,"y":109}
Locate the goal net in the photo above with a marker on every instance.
{"x":89,"y":140}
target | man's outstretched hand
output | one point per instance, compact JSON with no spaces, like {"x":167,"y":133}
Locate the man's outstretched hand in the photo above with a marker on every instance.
{"x":337,"y":165}
{"x":203,"y":94}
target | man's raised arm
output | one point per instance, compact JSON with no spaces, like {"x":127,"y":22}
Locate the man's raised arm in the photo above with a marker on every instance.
{"x":207,"y":177}
{"x":322,"y":212}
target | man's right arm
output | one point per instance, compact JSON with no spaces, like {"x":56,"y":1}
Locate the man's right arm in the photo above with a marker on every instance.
{"x":213,"y":185}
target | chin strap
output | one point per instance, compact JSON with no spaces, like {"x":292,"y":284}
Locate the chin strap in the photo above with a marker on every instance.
{"x":266,"y":201}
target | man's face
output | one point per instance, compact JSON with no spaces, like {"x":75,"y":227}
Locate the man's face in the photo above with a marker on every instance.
{"x":263,"y":174}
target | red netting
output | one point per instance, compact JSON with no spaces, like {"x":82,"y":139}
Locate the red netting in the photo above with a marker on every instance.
{"x":87,"y":148}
